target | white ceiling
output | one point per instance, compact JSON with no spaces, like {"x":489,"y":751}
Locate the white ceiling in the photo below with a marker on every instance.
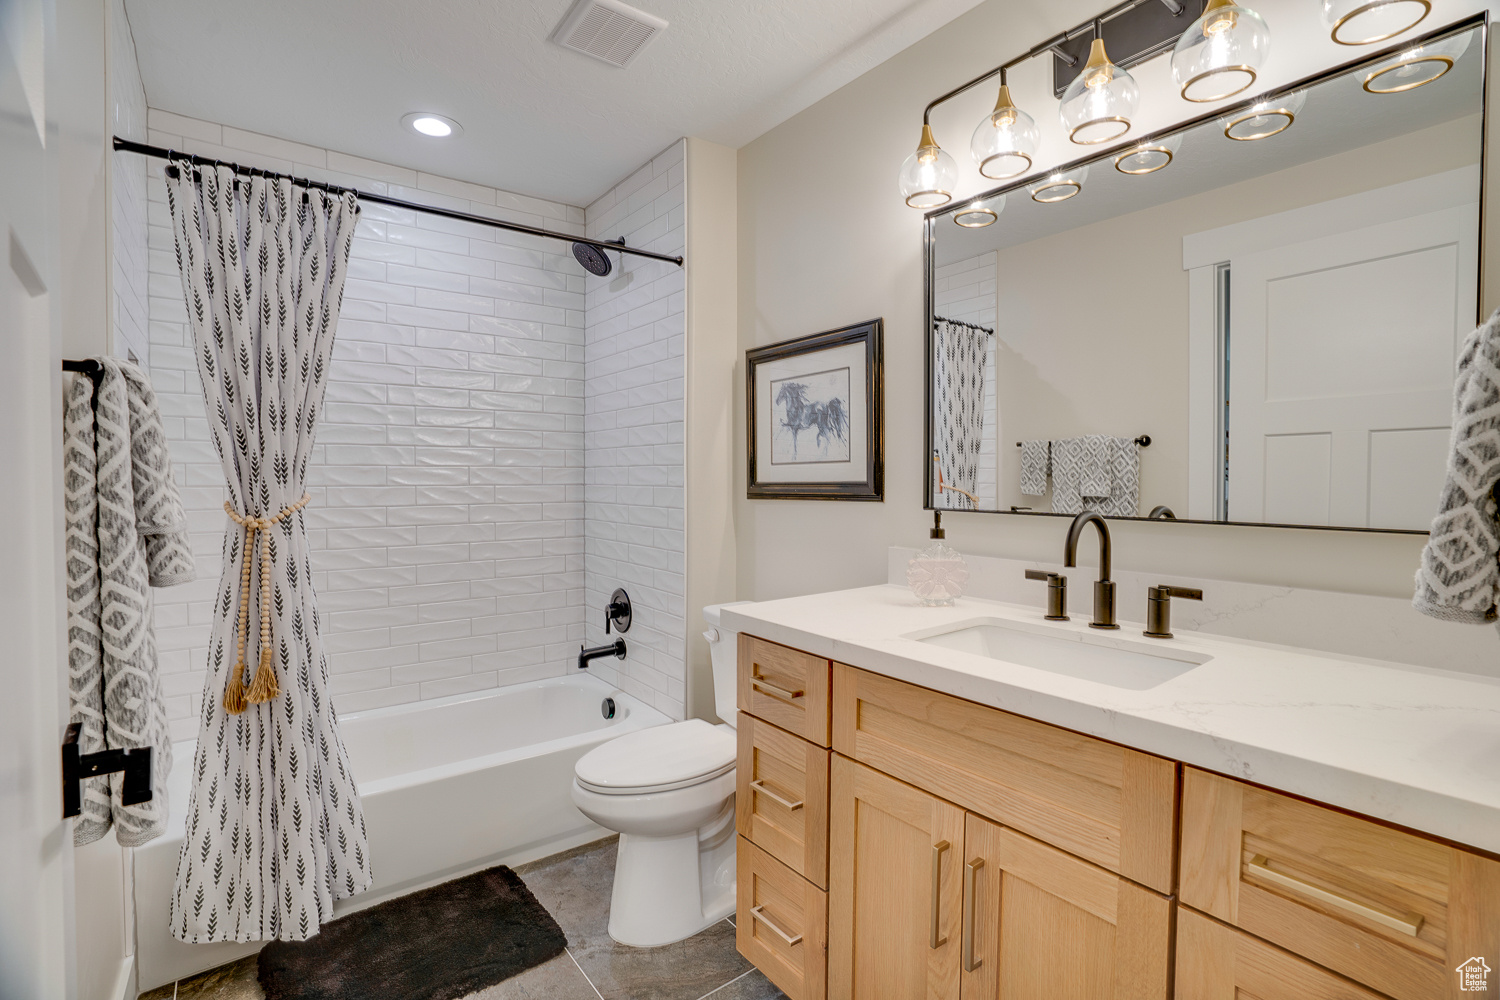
{"x":537,"y":118}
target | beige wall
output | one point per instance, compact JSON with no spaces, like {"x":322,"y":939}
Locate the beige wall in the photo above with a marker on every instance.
{"x":712,"y":352}
{"x":1073,"y":364}
{"x":824,"y":240}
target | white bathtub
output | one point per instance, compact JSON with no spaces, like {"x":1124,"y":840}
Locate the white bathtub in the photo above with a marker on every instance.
{"x":449,"y":786}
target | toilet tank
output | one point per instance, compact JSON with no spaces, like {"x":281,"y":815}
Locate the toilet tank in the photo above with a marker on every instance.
{"x":723,"y":646}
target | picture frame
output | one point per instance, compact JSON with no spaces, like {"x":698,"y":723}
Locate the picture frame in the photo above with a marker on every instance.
{"x":815,"y":416}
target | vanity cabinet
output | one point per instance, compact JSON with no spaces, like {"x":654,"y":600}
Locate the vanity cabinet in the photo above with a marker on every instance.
{"x":1384,"y":907}
{"x":897,"y":842}
{"x":1098,"y":801}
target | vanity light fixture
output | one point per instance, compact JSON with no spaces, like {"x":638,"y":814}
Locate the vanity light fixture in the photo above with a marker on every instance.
{"x":1099,"y":103}
{"x":1265,"y":118}
{"x":1005,"y":139}
{"x":1365,"y":22}
{"x":1149,"y":156}
{"x":929,"y":175}
{"x":1060,"y":185}
{"x":1219,"y":54}
{"x":1417,"y":66}
{"x":432,"y":126}
{"x":980,"y":212}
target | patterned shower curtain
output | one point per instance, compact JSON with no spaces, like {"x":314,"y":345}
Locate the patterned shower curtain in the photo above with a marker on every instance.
{"x":275,"y":831}
{"x":959,"y":374}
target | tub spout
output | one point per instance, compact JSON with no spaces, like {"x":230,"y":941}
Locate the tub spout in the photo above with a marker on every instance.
{"x":615,"y":649}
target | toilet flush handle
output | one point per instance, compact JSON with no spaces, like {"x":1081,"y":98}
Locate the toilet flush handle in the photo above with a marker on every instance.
{"x":712,"y":635}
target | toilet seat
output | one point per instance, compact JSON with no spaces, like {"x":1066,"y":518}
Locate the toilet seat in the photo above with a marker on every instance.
{"x":658,"y":759}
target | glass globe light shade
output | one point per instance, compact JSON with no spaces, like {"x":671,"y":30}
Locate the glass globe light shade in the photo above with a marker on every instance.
{"x":929,"y":175}
{"x":1005,"y":140}
{"x":1101,"y":100}
{"x":1149,"y":156}
{"x":1060,"y":185}
{"x":1364,"y":22}
{"x":1265,"y":118}
{"x":980,"y":212}
{"x":1219,"y":55}
{"x":1417,"y":66}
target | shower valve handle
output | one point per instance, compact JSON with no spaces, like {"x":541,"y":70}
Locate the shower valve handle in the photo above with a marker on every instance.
{"x":617,"y":612}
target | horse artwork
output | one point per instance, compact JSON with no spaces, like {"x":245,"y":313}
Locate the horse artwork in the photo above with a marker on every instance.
{"x":810,"y":418}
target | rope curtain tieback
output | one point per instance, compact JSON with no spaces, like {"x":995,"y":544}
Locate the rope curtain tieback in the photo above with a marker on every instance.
{"x":264,"y":686}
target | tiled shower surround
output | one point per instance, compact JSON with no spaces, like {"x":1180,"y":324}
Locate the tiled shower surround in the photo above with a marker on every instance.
{"x":448,"y":513}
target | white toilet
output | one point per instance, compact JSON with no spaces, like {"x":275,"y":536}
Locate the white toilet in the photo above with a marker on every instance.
{"x":669,"y":792}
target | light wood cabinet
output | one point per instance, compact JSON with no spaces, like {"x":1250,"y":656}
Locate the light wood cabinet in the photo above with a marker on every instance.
{"x":781,"y":787}
{"x":784,"y":686}
{"x":1104,"y":803}
{"x":894,"y":891}
{"x":1215,"y":962}
{"x":781,"y":923}
{"x":969,"y":853}
{"x":1394,"y":911}
{"x":1041,"y":923}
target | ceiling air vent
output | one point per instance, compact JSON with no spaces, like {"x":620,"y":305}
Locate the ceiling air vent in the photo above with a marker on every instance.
{"x":608,"y":30}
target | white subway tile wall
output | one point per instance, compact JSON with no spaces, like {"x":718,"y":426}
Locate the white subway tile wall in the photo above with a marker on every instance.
{"x":447,"y":519}
{"x":965,"y":290}
{"x":127,"y":193}
{"x":635,"y":366}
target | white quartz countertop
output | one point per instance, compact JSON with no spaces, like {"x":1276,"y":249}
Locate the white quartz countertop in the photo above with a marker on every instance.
{"x":1411,"y":745}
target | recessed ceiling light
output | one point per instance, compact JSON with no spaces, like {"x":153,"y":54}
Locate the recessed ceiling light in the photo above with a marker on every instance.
{"x":431,"y":125}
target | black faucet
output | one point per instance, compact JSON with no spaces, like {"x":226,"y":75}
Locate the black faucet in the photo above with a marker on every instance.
{"x":615,"y":649}
{"x":1104,"y":587}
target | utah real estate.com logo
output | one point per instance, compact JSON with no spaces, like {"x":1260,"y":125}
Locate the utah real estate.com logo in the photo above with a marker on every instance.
{"x":1474,"y":976}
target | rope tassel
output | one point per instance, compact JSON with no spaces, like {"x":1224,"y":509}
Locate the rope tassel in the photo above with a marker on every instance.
{"x":263,"y":687}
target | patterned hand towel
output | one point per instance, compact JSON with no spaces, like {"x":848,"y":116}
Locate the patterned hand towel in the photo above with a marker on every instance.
{"x":1036,"y":462}
{"x":1125,"y":479}
{"x":1095,"y":476}
{"x":126,"y":532}
{"x":1067,"y":462}
{"x":1459,"y":578}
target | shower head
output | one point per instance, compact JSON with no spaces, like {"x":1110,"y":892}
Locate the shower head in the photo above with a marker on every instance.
{"x":593,"y":259}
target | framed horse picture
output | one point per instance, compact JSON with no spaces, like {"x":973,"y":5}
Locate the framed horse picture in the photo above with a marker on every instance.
{"x":816,"y":417}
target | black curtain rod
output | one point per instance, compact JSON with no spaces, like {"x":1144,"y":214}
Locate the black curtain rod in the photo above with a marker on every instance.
{"x":959,"y":322}
{"x":162,"y":153}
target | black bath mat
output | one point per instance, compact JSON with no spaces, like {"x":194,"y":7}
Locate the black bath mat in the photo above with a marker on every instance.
{"x":437,"y":944}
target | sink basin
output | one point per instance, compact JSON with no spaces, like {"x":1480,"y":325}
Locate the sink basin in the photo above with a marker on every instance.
{"x":1132,"y":664}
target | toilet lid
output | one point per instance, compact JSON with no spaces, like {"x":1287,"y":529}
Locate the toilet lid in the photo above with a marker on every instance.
{"x":674,"y":755}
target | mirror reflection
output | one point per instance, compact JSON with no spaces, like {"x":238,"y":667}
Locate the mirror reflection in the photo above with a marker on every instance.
{"x":1252,"y":320}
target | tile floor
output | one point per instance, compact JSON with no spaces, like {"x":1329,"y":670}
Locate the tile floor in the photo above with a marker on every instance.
{"x":575,"y":888}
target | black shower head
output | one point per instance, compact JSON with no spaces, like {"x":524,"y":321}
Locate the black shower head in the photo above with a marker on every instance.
{"x":594,"y":259}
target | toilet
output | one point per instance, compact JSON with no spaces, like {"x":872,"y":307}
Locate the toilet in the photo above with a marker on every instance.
{"x":669,"y":792}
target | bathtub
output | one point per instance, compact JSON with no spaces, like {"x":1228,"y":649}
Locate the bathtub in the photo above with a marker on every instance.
{"x":449,"y":786}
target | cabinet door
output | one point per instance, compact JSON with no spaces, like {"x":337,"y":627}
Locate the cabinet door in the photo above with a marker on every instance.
{"x":1215,"y":962}
{"x":1041,"y":923}
{"x":894,"y":889}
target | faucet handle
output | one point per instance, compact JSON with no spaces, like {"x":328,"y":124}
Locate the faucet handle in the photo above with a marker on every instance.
{"x":1057,"y":593}
{"x":1159,"y":608}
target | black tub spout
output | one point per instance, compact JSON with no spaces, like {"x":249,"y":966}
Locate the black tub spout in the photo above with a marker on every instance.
{"x":615,"y":649}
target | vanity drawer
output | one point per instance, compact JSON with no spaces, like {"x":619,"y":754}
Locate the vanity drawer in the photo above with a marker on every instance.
{"x":1215,"y":962}
{"x":1389,"y":909}
{"x":784,"y":686}
{"x":781,"y":801}
{"x":781,"y":924}
{"x":1101,"y":802}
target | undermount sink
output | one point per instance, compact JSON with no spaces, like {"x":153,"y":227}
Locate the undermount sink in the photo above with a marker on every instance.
{"x":1132,"y":664}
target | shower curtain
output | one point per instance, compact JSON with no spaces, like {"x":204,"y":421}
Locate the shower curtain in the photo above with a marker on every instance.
{"x":275,"y":831}
{"x":960,"y":422}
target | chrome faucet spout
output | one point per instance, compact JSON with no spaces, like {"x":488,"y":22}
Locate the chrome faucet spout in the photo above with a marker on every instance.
{"x":1104,"y":587}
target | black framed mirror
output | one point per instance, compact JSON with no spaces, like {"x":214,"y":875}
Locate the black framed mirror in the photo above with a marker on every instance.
{"x":1250,"y":318}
